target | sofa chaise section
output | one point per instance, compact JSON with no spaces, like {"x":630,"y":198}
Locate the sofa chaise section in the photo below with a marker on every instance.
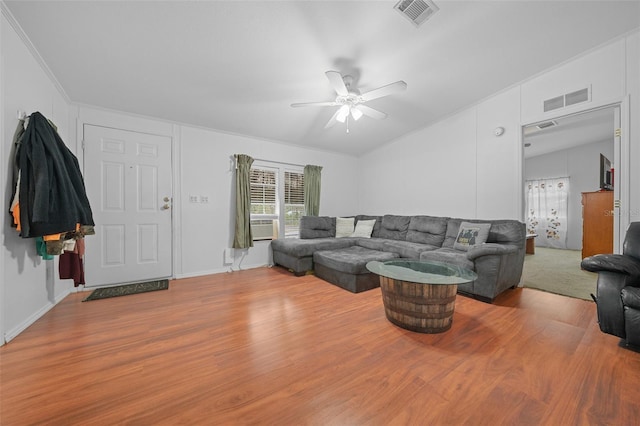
{"x":297,"y":254}
{"x":346,"y":267}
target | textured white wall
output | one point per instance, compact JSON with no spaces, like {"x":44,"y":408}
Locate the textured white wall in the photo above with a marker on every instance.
{"x":31,"y":286}
{"x":431,"y":172}
{"x":602,"y":70}
{"x":207,"y":170}
{"x":457,"y":167}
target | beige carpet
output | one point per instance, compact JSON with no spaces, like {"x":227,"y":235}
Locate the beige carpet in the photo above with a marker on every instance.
{"x":558,"y":271}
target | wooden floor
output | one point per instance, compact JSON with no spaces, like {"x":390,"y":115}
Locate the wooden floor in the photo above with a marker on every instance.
{"x":265,"y":347}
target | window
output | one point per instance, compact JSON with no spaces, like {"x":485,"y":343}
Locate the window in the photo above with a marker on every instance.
{"x":293,"y":203}
{"x":277,"y":200}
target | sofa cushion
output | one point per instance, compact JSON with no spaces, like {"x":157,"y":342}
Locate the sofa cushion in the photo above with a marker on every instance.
{"x":351,"y":260}
{"x":507,"y":232}
{"x":449,"y":255}
{"x":364,"y":228}
{"x":344,"y":226}
{"x":503,"y":231}
{"x":394,"y":227}
{"x":371,"y":243}
{"x":300,"y":248}
{"x":376,"y":227}
{"x":317,"y":227}
{"x":407,"y":248}
{"x":427,"y":230}
{"x":471,"y":234}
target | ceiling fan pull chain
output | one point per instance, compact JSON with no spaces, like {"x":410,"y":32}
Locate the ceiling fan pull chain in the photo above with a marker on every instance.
{"x":347,"y":123}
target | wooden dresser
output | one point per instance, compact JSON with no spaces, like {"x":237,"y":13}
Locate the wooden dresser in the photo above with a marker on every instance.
{"x":597,"y":223}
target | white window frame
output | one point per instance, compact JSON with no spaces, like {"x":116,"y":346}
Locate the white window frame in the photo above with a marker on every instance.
{"x":279,"y":217}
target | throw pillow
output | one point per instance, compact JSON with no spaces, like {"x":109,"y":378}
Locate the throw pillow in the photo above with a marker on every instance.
{"x":364,"y":228}
{"x":344,"y":226}
{"x":471,"y":234}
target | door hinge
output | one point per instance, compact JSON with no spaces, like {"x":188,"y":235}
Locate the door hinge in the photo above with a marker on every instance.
{"x":618,"y":133}
{"x":82,"y":144}
{"x":616,"y":204}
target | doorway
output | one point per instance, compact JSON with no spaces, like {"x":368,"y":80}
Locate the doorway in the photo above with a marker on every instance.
{"x":128,"y":177}
{"x":569,"y":148}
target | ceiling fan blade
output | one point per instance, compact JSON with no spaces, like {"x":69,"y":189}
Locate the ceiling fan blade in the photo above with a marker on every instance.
{"x":333,"y":120}
{"x":304,"y":104}
{"x":389,"y":89}
{"x":335,"y":78}
{"x":368,"y":111}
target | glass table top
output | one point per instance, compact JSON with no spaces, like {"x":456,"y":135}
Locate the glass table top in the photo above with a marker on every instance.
{"x":422,"y":271}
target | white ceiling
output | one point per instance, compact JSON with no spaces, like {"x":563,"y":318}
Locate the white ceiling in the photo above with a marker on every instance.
{"x":236,"y":66}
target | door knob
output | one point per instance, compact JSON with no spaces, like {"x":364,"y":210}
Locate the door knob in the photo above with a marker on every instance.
{"x":165,"y":207}
{"x":166,"y":199}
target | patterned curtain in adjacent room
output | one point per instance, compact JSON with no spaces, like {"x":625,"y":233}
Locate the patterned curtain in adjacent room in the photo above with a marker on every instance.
{"x":312,"y":177}
{"x":547,"y":205}
{"x":243,"y":237}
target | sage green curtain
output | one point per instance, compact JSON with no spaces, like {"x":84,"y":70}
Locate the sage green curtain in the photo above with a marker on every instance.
{"x":243,"y":237}
{"x":312,"y":177}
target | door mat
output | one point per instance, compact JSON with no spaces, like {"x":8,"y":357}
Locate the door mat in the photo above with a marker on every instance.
{"x":124,"y":290}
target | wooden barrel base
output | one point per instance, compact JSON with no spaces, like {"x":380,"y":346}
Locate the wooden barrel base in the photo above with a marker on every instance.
{"x":424,"y":308}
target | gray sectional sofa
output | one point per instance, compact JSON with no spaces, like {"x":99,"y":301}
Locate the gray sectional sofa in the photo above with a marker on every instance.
{"x":498,"y":262}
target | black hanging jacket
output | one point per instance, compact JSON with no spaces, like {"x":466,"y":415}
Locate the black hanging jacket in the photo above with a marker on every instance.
{"x":52,"y":193}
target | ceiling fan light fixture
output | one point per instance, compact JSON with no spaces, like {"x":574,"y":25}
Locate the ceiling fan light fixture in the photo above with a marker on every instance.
{"x":343,"y":113}
{"x":351,"y":102}
{"x":356,"y":113}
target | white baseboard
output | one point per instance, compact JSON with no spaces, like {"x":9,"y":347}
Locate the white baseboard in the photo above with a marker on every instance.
{"x":219,"y":271}
{"x":11,"y":334}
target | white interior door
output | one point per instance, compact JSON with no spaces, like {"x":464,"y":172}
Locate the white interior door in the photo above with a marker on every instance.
{"x":128,"y":180}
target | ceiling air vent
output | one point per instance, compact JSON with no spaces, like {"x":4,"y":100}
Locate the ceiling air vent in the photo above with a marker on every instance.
{"x":417,"y":11}
{"x":547,"y":124}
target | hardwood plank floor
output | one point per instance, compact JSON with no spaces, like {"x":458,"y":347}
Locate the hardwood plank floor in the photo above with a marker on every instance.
{"x":264,"y":347}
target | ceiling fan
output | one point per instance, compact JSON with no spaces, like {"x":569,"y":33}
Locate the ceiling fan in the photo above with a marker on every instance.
{"x":351,"y":101}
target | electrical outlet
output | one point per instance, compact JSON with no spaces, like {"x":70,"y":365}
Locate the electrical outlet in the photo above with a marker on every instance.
{"x":193,"y":198}
{"x":204,"y":199}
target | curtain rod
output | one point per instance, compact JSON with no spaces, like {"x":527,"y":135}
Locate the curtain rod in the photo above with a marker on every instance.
{"x":280,"y":162}
{"x":235,"y":156}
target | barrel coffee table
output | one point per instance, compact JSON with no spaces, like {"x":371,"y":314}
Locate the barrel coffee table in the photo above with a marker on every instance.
{"x":420,"y":295}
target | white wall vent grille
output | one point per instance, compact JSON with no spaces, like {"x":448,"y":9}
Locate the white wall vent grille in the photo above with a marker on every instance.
{"x":576,"y":97}
{"x":582,"y":95}
{"x":553,"y":103}
{"x":547,"y":124}
{"x":416,"y":11}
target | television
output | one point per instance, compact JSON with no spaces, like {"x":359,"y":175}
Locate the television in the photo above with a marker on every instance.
{"x":606,"y":174}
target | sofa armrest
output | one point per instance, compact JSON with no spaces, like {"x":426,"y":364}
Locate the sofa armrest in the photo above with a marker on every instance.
{"x":621,"y":264}
{"x":489,"y":249}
